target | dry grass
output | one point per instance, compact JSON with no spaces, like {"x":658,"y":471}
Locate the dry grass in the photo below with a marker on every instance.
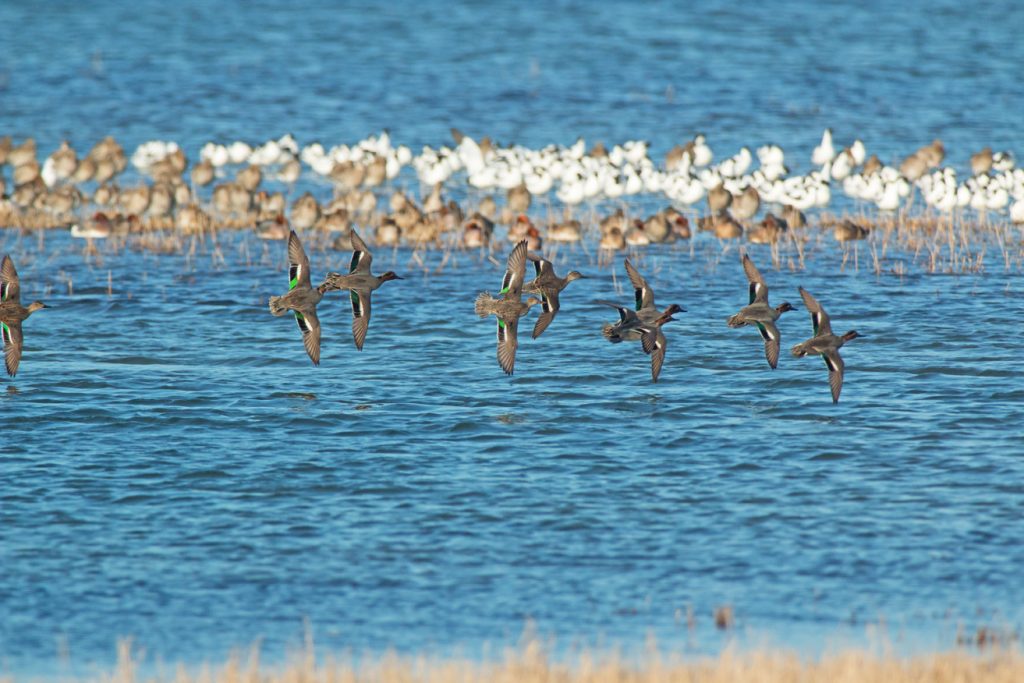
{"x":531,"y":663}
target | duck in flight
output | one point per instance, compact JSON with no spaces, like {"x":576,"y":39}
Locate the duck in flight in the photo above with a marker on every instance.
{"x":759,"y":314}
{"x":12,"y":314}
{"x":302,"y":298}
{"x":824,"y":343}
{"x":548,"y":285}
{"x":509,"y":308}
{"x":360,"y":283}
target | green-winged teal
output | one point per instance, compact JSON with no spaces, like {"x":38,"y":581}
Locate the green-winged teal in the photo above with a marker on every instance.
{"x":12,"y":313}
{"x":549,"y":286}
{"x":824,"y":343}
{"x":508,"y":309}
{"x":302,"y":298}
{"x":760,"y":314}
{"x":360,"y":283}
{"x":631,"y":327}
{"x":644,"y":297}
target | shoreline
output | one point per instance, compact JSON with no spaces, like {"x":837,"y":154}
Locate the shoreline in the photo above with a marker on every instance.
{"x":995,"y":660}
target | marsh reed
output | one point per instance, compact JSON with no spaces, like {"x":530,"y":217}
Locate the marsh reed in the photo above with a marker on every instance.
{"x":531,"y":662}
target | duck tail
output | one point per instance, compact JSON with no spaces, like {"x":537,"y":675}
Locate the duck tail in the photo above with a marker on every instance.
{"x":735,"y":321}
{"x":276,"y":307}
{"x":482,"y":301}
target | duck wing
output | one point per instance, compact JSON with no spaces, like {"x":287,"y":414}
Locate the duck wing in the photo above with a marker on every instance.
{"x":835,"y":365}
{"x":542,"y":267}
{"x":360,"y":316}
{"x":298,"y":263}
{"x":10,"y":286}
{"x":625,"y":314}
{"x":644,"y":294}
{"x":758,"y":287}
{"x":508,"y":342}
{"x":549,"y":306}
{"x":361,"y":256}
{"x":512,"y":282}
{"x":654,"y":344}
{"x":819,"y":318}
{"x":772,"y":342}
{"x":309,"y":325}
{"x":10,"y":333}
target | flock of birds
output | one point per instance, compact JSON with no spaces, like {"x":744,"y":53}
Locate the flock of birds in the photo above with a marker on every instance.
{"x":56,"y":191}
{"x":642,"y":323}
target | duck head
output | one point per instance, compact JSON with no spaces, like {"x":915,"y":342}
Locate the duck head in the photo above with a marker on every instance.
{"x":674,"y":308}
{"x":785,"y":306}
{"x":35,"y":306}
{"x":390,"y":275}
{"x":573,"y":275}
{"x":852,"y":334}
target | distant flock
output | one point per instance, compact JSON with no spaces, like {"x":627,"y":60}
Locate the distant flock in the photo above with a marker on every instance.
{"x":91,"y":195}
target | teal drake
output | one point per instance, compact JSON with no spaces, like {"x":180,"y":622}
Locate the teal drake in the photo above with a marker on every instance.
{"x":509,"y":308}
{"x":302,"y":298}
{"x":548,"y":285}
{"x":12,"y":313}
{"x":646,"y":310}
{"x":759,"y":314}
{"x":824,"y":343}
{"x":360,"y":283}
{"x":631,"y":327}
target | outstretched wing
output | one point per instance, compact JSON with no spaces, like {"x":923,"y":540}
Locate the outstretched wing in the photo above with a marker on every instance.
{"x":644,"y":295}
{"x":10,"y":287}
{"x":541,"y":266}
{"x":819,"y":318}
{"x":508,"y":342}
{"x":361,"y":256}
{"x":298,"y":263}
{"x":512,"y":283}
{"x":657,"y":356}
{"x":772,"y":342}
{"x":758,"y":288}
{"x":835,"y":365}
{"x":624,"y":313}
{"x":549,"y":304}
{"x":309,"y":325}
{"x":360,"y":316}
{"x":10,"y":333}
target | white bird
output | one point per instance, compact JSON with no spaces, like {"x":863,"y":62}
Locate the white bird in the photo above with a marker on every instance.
{"x":702,"y":155}
{"x":824,"y":152}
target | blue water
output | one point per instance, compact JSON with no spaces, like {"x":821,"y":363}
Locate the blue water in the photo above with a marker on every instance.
{"x":173,"y":468}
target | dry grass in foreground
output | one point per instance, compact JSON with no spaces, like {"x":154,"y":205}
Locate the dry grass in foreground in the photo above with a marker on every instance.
{"x":530,"y":664}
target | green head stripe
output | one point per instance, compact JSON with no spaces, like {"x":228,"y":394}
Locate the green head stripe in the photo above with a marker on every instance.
{"x":501,"y":323}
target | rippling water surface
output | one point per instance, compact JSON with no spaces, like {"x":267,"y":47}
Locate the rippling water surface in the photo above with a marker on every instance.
{"x":173,"y":467}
